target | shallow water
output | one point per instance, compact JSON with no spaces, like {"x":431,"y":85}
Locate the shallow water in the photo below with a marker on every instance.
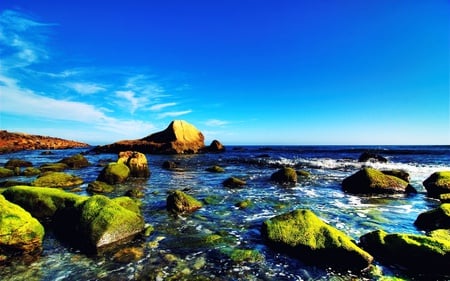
{"x":176,"y":249}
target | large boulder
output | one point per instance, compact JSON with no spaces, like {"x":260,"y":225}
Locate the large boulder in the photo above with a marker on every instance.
{"x":434,"y":219}
{"x":42,"y":202}
{"x":180,"y":137}
{"x":438,"y":183}
{"x":15,"y":162}
{"x":137,"y":162}
{"x":114,"y":173}
{"x":20,"y":233}
{"x":304,"y":235}
{"x":418,"y":253}
{"x":372,"y":181}
{"x":104,"y":222}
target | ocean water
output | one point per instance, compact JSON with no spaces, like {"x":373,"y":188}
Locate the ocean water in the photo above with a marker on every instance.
{"x":176,"y":249}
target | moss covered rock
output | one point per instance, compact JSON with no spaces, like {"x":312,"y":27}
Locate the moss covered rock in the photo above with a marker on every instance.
{"x":15,"y":162}
{"x":42,"y":202}
{"x":180,"y":202}
{"x":57,"y":179}
{"x":99,"y":187}
{"x":104,"y":222}
{"x":114,"y":173}
{"x":53,"y":167}
{"x":445,"y":198}
{"x":20,"y":233}
{"x":434,"y":219}
{"x":304,"y":235}
{"x":437,"y":184}
{"x":137,"y":162}
{"x":372,"y":181}
{"x":285,"y":175}
{"x":416,"y":253}
{"x":76,"y":161}
{"x":215,"y":169}
{"x":30,"y":171}
{"x":233,"y":182}
{"x":4,"y":172}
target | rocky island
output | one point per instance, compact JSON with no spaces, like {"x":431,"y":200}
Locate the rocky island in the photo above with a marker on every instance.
{"x":12,"y":142}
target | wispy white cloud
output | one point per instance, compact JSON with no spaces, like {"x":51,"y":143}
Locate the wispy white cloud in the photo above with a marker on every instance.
{"x":132,"y":101}
{"x":86,"y":88}
{"x":216,"y":122}
{"x":160,"y":106}
{"x":173,"y":113}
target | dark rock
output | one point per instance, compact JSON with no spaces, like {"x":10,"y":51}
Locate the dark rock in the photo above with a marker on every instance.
{"x":215,"y":169}
{"x":76,"y":161}
{"x":415,"y":253}
{"x":367,"y":156}
{"x":99,"y":187}
{"x":14,"y":163}
{"x":234,"y":182}
{"x":4,"y":173}
{"x":285,"y":175}
{"x":169,"y":165}
{"x":438,"y":183}
{"x":180,"y":202}
{"x":434,"y":219}
{"x":215,"y":146}
{"x":397,"y":173}
{"x":371,"y":181}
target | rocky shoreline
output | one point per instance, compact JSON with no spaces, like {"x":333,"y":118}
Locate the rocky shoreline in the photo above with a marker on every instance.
{"x":13,"y":142}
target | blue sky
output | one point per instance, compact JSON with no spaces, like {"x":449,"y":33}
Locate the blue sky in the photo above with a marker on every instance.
{"x":243,"y":72}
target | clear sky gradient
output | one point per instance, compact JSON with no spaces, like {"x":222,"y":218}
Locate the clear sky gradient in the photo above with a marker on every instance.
{"x":243,"y":72}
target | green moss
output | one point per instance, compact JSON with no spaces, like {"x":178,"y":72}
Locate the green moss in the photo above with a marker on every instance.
{"x":30,"y":171}
{"x":180,"y":202}
{"x":303,"y":173}
{"x":19,"y":231}
{"x":215,"y":169}
{"x":244,"y":255}
{"x":114,"y":173}
{"x":106,"y":222}
{"x":285,"y":175}
{"x":76,"y":161}
{"x":42,"y":202}
{"x":443,"y":178}
{"x":381,"y":180}
{"x":14,"y":163}
{"x":244,"y":204}
{"x":53,"y":167}
{"x":434,"y":219}
{"x":445,"y":198}
{"x":213,"y":199}
{"x":437,"y":184}
{"x":303,"y":234}
{"x":99,"y":187}
{"x":128,"y":203}
{"x":6,"y":172}
{"x":441,"y":234}
{"x":57,"y":179}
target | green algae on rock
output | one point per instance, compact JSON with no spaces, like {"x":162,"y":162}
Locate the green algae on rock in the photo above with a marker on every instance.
{"x":20,"y":233}
{"x":99,"y":187}
{"x":285,"y":175}
{"x":180,"y":202}
{"x":57,"y":179}
{"x":53,"y":167}
{"x":215,"y":169}
{"x":304,"y":235}
{"x":42,"y":202}
{"x":437,"y":184}
{"x":434,"y":219}
{"x":418,"y":253}
{"x":233,"y":182}
{"x":4,"y":172}
{"x":30,"y":171}
{"x":372,"y":181}
{"x":114,"y":173}
{"x":76,"y":161}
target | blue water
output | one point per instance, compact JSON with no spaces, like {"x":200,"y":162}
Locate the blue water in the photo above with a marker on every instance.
{"x":173,"y":249}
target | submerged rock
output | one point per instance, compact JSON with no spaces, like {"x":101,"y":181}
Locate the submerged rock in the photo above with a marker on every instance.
{"x":368,"y":156}
{"x":53,"y":167}
{"x":15,"y":162}
{"x":434,"y":219}
{"x":180,"y":202}
{"x":99,"y":187}
{"x":438,"y":183}
{"x":233,"y":182}
{"x":372,"y":181}
{"x":417,"y":253}
{"x":20,"y":233}
{"x":4,"y":172}
{"x":302,"y":234}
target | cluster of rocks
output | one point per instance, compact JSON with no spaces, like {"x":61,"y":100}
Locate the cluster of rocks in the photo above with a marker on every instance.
{"x":180,"y":137}
{"x":11,"y":142}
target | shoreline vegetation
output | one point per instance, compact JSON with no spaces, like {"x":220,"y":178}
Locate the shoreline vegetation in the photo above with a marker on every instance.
{"x":97,"y":223}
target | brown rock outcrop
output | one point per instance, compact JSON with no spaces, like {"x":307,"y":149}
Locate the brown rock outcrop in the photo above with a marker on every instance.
{"x":11,"y":142}
{"x":180,"y":137}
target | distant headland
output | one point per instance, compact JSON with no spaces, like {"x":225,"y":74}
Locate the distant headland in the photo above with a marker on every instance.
{"x":13,"y":141}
